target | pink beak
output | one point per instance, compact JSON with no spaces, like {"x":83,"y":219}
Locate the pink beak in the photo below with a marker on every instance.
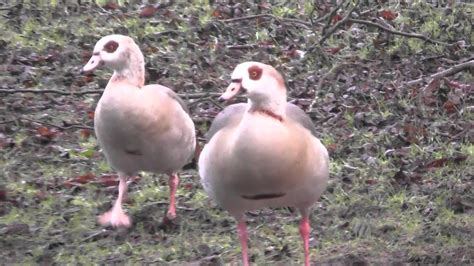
{"x":93,"y":63}
{"x":232,"y":90}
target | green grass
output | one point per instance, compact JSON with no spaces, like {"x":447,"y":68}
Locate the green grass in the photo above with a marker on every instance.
{"x":366,"y":215}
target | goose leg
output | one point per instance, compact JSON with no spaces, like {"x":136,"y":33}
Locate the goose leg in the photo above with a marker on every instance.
{"x":305,"y":228}
{"x":173,"y":184}
{"x":243,"y":236}
{"x":116,"y":216}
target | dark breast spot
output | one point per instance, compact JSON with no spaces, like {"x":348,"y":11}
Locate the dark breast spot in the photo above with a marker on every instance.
{"x":263,"y":196}
{"x":133,"y":152}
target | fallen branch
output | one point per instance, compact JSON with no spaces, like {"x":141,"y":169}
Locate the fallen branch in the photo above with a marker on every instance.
{"x":248,"y":46}
{"x":289,"y":20}
{"x":74,"y":93}
{"x":81,"y":93}
{"x":8,"y":121}
{"x":71,"y":126}
{"x":339,"y":23}
{"x":10,"y":7}
{"x":331,"y":74}
{"x":448,"y":72}
{"x":406,"y":34}
{"x":330,"y":16}
{"x":460,"y":134}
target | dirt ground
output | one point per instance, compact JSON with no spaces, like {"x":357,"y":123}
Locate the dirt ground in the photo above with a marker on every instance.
{"x":388,"y":86}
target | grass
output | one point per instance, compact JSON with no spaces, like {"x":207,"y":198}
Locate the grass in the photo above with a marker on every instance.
{"x":388,"y":199}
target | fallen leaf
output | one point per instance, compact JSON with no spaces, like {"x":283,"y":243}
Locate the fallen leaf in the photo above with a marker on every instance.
{"x":148,"y":11}
{"x":111,"y":5}
{"x":400,"y":176}
{"x":444,"y":161}
{"x":3,"y":195}
{"x":456,"y":84}
{"x":86,"y":55}
{"x":217,"y":13}
{"x":449,"y":106}
{"x":188,"y":186}
{"x":16,"y":229}
{"x":371,"y":181}
{"x":332,"y":148}
{"x":107,"y":180}
{"x":85,"y":133}
{"x":404,"y":179}
{"x":412,"y":132}
{"x":41,"y":195}
{"x":79,"y":180}
{"x":28,"y":83}
{"x":90,"y":114}
{"x":388,"y":15}
{"x":6,"y":142}
{"x":264,"y":5}
{"x":83,"y":179}
{"x":333,"y":50}
{"x":45,"y":134}
{"x":336,"y":18}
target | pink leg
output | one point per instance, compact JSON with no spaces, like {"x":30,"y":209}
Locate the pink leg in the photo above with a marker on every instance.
{"x":173,"y":184}
{"x":304,"y":231}
{"x":116,"y":216}
{"x":243,"y":236}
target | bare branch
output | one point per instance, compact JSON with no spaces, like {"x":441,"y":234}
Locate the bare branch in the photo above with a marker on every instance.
{"x":331,"y":74}
{"x":406,"y":34}
{"x":448,"y":72}
{"x":10,"y":7}
{"x":70,"y":126}
{"x":81,"y":93}
{"x":330,"y":15}
{"x":73,"y":93}
{"x":288,"y":20}
{"x":339,"y":23}
{"x":247,"y":46}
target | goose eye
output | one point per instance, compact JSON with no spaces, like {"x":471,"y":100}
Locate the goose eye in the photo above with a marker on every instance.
{"x":111,"y":46}
{"x":255,"y":72}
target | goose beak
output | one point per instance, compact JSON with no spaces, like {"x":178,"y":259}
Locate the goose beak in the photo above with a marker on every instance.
{"x":93,"y":63}
{"x":232,"y":90}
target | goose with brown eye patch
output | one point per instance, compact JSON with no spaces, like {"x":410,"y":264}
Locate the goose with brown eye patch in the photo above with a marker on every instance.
{"x":263,"y":153}
{"x":127,"y":128}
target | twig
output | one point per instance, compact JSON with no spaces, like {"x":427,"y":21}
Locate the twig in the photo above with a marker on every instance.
{"x":8,"y":121}
{"x":339,"y":23}
{"x":167,"y":32}
{"x":330,"y":15}
{"x":75,"y":93}
{"x":198,"y":95}
{"x":72,"y":126}
{"x":202,"y":119}
{"x":448,"y":72}
{"x":81,"y":93}
{"x":290,"y":20}
{"x":9,"y":7}
{"x":248,"y":46}
{"x":330,"y":74}
{"x":406,"y":34}
{"x":464,"y":131}
{"x":95,"y":235}
{"x":216,"y":103}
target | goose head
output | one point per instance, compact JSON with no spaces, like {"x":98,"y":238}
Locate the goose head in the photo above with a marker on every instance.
{"x":262,"y":84}
{"x":121,"y":54}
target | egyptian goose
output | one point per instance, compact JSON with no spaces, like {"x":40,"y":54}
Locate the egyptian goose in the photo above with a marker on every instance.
{"x":139,"y":128}
{"x":263,"y":153}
